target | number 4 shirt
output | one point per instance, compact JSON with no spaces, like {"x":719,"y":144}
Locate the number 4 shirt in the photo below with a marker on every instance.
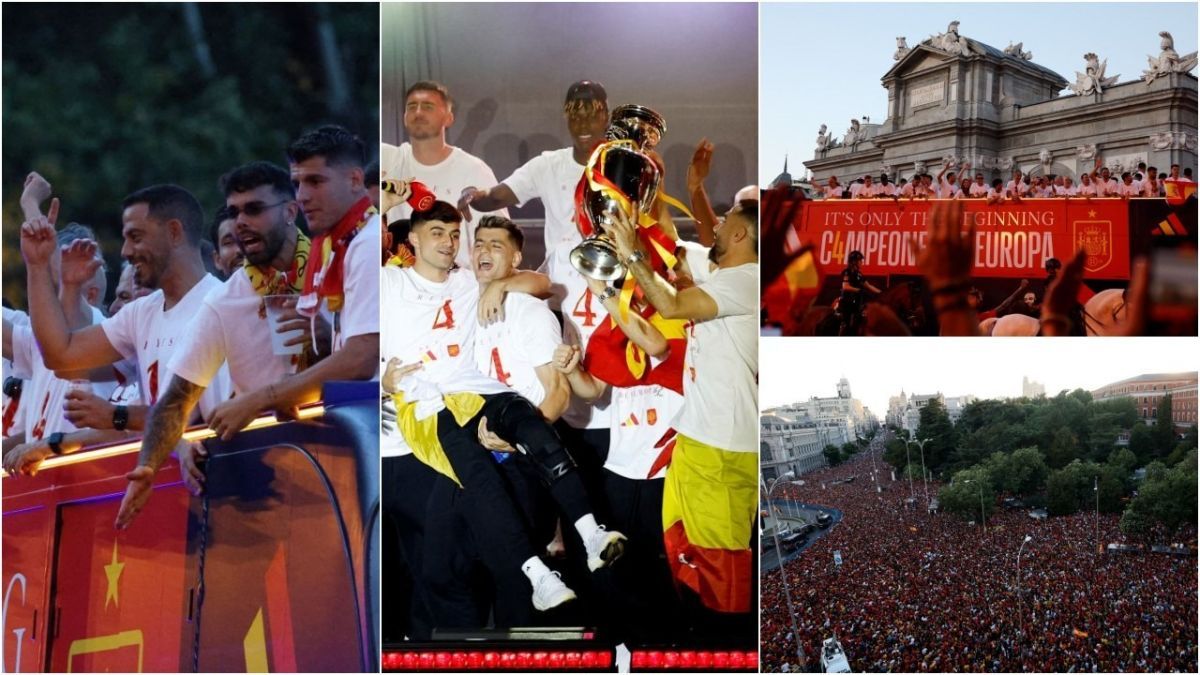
{"x":433,"y":323}
{"x":511,"y":350}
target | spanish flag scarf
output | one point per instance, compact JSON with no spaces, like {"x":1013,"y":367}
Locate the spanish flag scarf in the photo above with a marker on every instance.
{"x":325,"y":280}
{"x":267,"y":280}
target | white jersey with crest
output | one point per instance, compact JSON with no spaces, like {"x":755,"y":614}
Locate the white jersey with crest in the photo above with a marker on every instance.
{"x":510,"y":351}
{"x":433,"y":323}
{"x":641,"y":418}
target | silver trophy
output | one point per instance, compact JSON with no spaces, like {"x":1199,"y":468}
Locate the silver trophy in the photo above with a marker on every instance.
{"x":633,"y":131}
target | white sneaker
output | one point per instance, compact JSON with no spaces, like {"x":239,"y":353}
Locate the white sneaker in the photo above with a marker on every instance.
{"x":604,"y":547}
{"x":550,"y":592}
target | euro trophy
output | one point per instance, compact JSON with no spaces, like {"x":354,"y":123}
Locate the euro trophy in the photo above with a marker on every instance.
{"x":625,"y":168}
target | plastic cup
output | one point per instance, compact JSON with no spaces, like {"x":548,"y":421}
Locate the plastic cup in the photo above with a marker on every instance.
{"x":279,"y":306}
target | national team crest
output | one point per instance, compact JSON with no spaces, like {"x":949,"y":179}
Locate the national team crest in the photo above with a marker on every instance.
{"x":1095,"y":238}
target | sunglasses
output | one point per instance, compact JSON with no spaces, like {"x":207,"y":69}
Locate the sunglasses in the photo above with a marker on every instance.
{"x":252,"y":209}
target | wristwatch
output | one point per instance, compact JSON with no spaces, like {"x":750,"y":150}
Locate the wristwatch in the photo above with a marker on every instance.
{"x":54,"y":441}
{"x":636,"y":256}
{"x":120,"y":417}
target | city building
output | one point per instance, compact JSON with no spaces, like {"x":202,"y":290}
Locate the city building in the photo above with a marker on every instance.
{"x":952,"y":99}
{"x":794,"y":436}
{"x":1031,"y":389}
{"x":1147,"y":392}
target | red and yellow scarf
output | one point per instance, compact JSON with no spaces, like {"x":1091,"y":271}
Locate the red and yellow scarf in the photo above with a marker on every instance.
{"x":326,"y":280}
{"x":266,"y":280}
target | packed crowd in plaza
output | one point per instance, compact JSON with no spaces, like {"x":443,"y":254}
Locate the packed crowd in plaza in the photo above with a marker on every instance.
{"x":934,"y":593}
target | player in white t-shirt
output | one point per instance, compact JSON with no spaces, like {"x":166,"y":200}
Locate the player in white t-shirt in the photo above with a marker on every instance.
{"x":426,"y":157}
{"x":519,"y":349}
{"x":552,"y":177}
{"x":444,"y":351}
{"x":327,"y":167}
{"x":979,"y":188}
{"x":720,"y":383}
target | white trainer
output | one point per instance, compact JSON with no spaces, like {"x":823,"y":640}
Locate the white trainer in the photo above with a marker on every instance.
{"x":550,"y":592}
{"x":604,"y":547}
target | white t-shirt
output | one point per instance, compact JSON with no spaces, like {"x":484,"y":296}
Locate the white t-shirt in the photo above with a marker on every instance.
{"x":833,"y":191}
{"x":149,"y":336}
{"x":1106,"y":189}
{"x":1130,"y":190}
{"x":552,"y":177}
{"x":948,"y":190}
{"x":360,"y":288}
{"x":11,"y":408}
{"x":434,"y":323}
{"x":978,"y":190}
{"x":1012,"y":188}
{"x":1087,"y":190}
{"x":641,"y":416}
{"x":231,"y":327}
{"x":863,"y":191}
{"x":446,"y":179}
{"x":698,"y":262}
{"x":511,"y":350}
{"x":720,"y":376}
{"x":582,"y":314}
{"x":43,"y":395}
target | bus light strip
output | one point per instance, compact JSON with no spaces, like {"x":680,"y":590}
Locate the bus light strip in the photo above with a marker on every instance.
{"x":197,"y":433}
{"x":429,"y":660}
{"x":694,"y":660}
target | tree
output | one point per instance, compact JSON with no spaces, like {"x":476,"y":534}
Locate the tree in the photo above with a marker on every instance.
{"x":1142,"y":442}
{"x":1163,"y":431}
{"x":1123,"y":462}
{"x":963,"y":495}
{"x":833,"y":456}
{"x":1064,"y":448}
{"x":894,"y":453}
{"x":938,"y":431}
{"x":1061,"y":489}
{"x":151,"y":101}
{"x":1167,"y":498}
{"x":1026,"y":471}
{"x":848,"y":450}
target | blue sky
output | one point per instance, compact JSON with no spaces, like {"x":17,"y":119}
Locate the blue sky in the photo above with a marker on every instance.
{"x":821,"y":62}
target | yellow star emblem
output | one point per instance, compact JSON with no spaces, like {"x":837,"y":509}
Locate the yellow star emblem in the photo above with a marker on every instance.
{"x":113,"y":572}
{"x":1091,"y":214}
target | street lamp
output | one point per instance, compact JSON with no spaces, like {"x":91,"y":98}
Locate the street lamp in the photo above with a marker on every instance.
{"x":1020,"y":603}
{"x":924,"y":473}
{"x":787,"y":591}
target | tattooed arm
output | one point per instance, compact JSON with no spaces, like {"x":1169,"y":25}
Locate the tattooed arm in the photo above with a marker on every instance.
{"x":165,"y":427}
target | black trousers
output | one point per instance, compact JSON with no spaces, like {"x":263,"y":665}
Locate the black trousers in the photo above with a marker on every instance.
{"x":641,"y":606}
{"x":405,"y":490}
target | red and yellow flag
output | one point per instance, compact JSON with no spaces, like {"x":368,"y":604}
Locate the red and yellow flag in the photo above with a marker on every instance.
{"x":709,"y":499}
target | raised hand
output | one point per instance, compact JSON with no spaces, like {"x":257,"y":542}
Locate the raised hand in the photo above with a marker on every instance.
{"x":38,"y":237}
{"x":80,"y":262}
{"x":700,"y":166}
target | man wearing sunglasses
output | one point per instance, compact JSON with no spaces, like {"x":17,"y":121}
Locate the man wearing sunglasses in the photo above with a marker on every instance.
{"x":335,"y":275}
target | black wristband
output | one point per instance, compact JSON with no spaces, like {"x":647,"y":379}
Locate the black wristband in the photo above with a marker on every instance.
{"x":54,"y":441}
{"x":120,"y":417}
